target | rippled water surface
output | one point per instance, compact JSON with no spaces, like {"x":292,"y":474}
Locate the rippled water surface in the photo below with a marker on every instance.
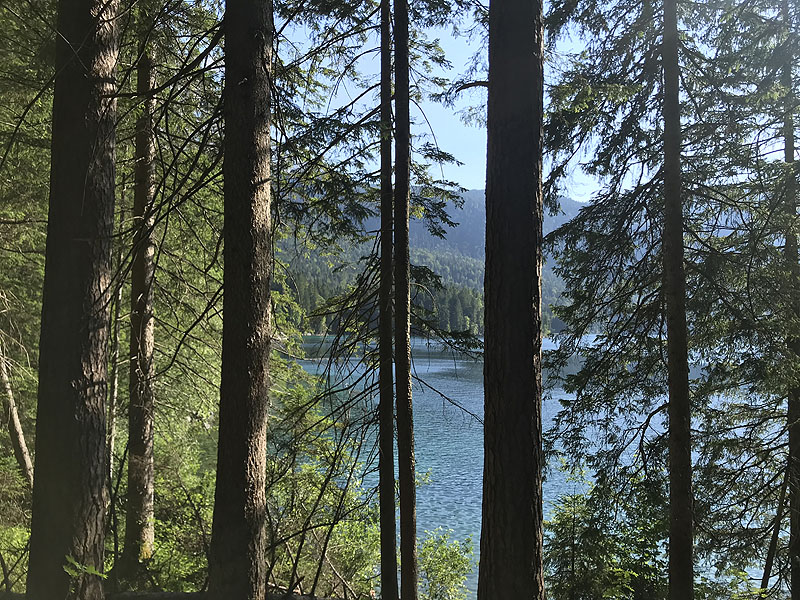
{"x":449,"y":445}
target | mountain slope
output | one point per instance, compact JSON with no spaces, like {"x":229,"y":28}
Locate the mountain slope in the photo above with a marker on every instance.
{"x":457,"y":258}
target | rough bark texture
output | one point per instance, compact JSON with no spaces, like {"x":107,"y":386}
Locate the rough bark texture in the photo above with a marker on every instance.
{"x":386,"y":383}
{"x":69,"y":494}
{"x":113,"y":390}
{"x":402,"y":324}
{"x":511,"y":530}
{"x":237,"y":569}
{"x":793,"y":341}
{"x":139,"y":519}
{"x":11,"y":415}
{"x":680,"y":453}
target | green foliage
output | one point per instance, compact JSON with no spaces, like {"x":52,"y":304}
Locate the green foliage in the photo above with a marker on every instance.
{"x":604,"y":101}
{"x":14,"y":522}
{"x":75,"y":569}
{"x":184,"y":507}
{"x":452,"y":300}
{"x":322,"y":528}
{"x":597,"y":547}
{"x":443,"y":566}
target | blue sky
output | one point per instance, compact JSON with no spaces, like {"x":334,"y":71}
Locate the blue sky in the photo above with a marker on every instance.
{"x":467,"y":142}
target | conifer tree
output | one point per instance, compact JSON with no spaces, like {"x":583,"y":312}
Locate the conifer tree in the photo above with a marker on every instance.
{"x":385,"y":375}
{"x":402,"y":306}
{"x":139,"y":514}
{"x":511,"y":527}
{"x":681,"y":584}
{"x":792,"y":300}
{"x":237,"y":566}
{"x":69,"y":495}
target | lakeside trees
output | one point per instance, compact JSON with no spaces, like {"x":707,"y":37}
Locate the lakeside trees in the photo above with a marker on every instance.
{"x":611,"y":261}
{"x":684,"y":125}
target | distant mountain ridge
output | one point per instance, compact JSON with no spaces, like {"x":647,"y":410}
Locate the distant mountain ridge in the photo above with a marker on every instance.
{"x":460,"y":256}
{"x":468,"y":238}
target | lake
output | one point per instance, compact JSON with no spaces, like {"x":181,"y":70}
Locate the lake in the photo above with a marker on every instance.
{"x":449,"y":445}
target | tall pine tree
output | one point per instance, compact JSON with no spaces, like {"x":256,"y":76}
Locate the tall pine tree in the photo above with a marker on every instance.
{"x":511,"y":530}
{"x":237,"y":567}
{"x":69,"y":495}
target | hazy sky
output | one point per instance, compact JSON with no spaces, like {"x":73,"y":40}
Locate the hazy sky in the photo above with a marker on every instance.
{"x":466,"y":142}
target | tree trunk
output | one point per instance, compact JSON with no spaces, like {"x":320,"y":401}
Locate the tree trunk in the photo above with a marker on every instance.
{"x":237,"y":566}
{"x":385,"y":378}
{"x":511,"y":529}
{"x":680,"y":453}
{"x":402,"y":324}
{"x":793,"y":280}
{"x":69,"y":494}
{"x":139,"y":519}
{"x":776,"y":530}
{"x":14,"y":426}
{"x":113,"y":390}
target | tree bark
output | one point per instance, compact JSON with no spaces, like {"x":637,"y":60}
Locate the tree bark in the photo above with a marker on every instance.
{"x":385,"y":376}
{"x":113,"y":391}
{"x":238,"y":540}
{"x":793,"y":280}
{"x":139,"y":517}
{"x":402,"y":328}
{"x":69,"y":493}
{"x":681,"y":576}
{"x":511,"y":529}
{"x":15,"y":432}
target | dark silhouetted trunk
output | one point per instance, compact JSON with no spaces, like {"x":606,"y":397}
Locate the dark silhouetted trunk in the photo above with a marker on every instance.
{"x":385,"y":378}
{"x":10,"y":413}
{"x":237,"y":565}
{"x":511,"y":530}
{"x":69,"y":493}
{"x":402,"y":307}
{"x":793,"y":301}
{"x":680,"y":450}
{"x":139,"y":520}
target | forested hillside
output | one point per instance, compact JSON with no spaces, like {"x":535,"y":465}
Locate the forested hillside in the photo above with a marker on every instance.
{"x":456,"y":255}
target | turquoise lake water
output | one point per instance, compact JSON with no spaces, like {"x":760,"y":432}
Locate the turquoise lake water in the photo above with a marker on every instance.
{"x":449,"y":446}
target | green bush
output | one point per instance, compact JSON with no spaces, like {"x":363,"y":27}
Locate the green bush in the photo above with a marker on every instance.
{"x":444,"y":565}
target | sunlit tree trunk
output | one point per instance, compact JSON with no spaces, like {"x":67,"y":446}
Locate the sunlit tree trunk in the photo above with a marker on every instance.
{"x":69,"y":493}
{"x":10,"y":413}
{"x":511,"y":530}
{"x":237,"y":566}
{"x":113,"y":389}
{"x":139,"y":519}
